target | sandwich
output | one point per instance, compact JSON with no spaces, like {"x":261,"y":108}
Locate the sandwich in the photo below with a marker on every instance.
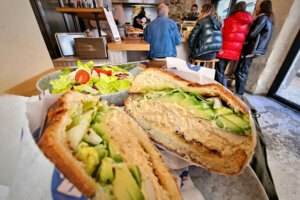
{"x":103,"y":151}
{"x":204,"y":124}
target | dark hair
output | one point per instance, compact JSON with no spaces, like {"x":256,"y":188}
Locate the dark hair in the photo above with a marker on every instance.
{"x":195,"y":5}
{"x":239,"y":7}
{"x":142,"y":11}
{"x":209,"y":9}
{"x":266,"y":8}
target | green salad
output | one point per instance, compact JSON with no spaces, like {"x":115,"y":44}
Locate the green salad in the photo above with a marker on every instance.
{"x":86,"y":78}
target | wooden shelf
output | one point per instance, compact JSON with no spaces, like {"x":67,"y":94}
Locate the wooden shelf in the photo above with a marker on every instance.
{"x":86,"y":13}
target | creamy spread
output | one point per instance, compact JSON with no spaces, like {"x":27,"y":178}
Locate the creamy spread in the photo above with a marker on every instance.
{"x":183,"y":122}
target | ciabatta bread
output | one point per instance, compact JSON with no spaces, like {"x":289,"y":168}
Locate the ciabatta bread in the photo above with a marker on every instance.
{"x":179,"y":129}
{"x":134,"y":146}
{"x":157,"y":79}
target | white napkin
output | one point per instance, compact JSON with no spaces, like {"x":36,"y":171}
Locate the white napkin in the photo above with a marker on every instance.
{"x":194,"y":73}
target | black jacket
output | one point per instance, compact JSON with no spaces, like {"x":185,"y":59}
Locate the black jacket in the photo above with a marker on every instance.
{"x":258,"y":37}
{"x":206,"y":37}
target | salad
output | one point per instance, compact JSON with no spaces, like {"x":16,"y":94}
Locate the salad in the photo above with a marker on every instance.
{"x":88,"y":79}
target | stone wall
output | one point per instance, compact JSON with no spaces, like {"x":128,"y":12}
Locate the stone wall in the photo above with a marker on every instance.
{"x":265,"y":68}
{"x":179,"y":8}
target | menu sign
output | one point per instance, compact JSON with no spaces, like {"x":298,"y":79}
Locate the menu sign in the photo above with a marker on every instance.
{"x":112,"y":24}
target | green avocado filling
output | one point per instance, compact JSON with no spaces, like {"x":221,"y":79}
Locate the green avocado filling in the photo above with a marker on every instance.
{"x":212,"y":109}
{"x":91,"y":143}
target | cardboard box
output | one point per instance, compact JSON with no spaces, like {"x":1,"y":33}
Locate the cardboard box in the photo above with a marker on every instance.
{"x":91,"y":48}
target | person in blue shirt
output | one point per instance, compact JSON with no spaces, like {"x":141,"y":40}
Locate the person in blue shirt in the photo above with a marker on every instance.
{"x":162,"y":34}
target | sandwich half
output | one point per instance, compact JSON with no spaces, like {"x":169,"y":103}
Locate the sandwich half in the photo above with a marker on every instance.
{"x":103,"y":151}
{"x":205,"y":124}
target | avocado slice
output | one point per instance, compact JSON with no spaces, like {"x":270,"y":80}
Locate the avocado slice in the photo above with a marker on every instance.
{"x":191,"y":100}
{"x":76,"y":133}
{"x":99,"y":128}
{"x":105,"y":172}
{"x":174,"y":96}
{"x":205,"y":114}
{"x":124,"y":185}
{"x":215,"y":102}
{"x":223,"y":122}
{"x":114,"y":152}
{"x":89,"y":156}
{"x":224,"y":111}
{"x":92,"y":137}
{"x":102,"y":151}
{"x":238,"y":121}
{"x":135,"y":171}
{"x":88,"y":105}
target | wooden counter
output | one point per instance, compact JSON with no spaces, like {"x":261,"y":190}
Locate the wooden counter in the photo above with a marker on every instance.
{"x":28,"y":88}
{"x":129,"y":45}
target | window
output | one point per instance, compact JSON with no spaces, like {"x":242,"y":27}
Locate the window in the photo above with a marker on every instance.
{"x":250,"y":5}
{"x":224,"y":7}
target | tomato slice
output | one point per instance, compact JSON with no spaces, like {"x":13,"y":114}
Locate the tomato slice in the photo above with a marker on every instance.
{"x":82,"y":76}
{"x":107,"y":72}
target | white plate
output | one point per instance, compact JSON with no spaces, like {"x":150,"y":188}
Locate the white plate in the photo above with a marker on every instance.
{"x":245,"y":186}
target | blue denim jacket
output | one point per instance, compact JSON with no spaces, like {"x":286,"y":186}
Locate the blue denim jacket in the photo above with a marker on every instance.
{"x":163,"y":35}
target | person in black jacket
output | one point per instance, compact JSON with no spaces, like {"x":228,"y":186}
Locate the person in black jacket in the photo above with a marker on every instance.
{"x":256,"y":43}
{"x":205,"y":39}
{"x":140,"y":20}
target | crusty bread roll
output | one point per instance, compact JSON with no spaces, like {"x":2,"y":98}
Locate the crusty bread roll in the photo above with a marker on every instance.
{"x":132,"y":143}
{"x":156,"y":79}
{"x":178,"y":127}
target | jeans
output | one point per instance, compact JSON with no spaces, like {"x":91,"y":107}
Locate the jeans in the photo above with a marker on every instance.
{"x":207,"y":56}
{"x":241,"y":74}
{"x":220,"y":69}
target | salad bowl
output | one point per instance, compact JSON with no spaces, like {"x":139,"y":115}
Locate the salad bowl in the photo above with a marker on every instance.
{"x":117,"y":98}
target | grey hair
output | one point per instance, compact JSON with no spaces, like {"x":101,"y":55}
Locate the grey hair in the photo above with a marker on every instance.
{"x":162,"y":9}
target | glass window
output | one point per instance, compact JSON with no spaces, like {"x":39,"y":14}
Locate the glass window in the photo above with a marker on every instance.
{"x":250,"y":5}
{"x":223,"y":8}
{"x":290,"y":86}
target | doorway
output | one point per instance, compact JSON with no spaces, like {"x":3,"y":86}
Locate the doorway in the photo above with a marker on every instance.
{"x":286,"y":86}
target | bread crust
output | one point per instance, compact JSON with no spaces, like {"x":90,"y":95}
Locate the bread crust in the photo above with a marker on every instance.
{"x":193,"y":151}
{"x":54,"y":145}
{"x":141,"y":84}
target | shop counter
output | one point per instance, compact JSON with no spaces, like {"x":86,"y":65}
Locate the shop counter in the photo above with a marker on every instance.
{"x":128,"y":51}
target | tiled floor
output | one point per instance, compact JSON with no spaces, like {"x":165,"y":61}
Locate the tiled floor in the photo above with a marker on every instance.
{"x":281,"y":128}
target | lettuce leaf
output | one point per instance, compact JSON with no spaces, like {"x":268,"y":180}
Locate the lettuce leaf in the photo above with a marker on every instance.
{"x":62,"y":84}
{"x":103,"y":84}
{"x":65,"y":72}
{"x":120,"y":85}
{"x":87,"y":66}
{"x":115,"y":69}
{"x":86,"y":89}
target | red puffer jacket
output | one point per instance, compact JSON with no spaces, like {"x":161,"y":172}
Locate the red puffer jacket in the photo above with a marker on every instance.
{"x":234,"y":34}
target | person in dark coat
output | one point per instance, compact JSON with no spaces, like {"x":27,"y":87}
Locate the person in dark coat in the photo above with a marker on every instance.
{"x":140,"y":20}
{"x":256,"y":43}
{"x":193,"y":15}
{"x":234,"y":34}
{"x":205,"y":39}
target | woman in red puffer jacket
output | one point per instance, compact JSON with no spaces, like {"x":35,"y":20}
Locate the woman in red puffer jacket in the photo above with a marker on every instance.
{"x":234,"y":34}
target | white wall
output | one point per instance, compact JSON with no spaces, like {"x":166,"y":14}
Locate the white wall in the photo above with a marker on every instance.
{"x":23,"y":53}
{"x":285,"y":38}
{"x":265,"y":68}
